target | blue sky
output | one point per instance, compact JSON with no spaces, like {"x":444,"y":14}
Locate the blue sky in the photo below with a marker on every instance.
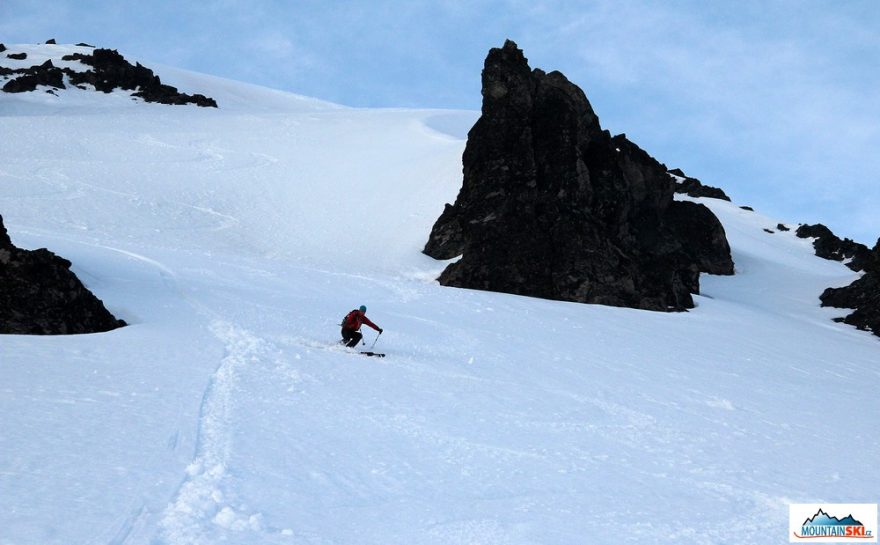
{"x":776,"y":102}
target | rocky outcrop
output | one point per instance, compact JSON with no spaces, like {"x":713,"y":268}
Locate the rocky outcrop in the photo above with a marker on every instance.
{"x":29,"y":78}
{"x":695,"y":188}
{"x":863,"y":295}
{"x":39,"y":295}
{"x":553,"y":206}
{"x":109,"y":71}
{"x":17,"y":56}
{"x":829,"y":246}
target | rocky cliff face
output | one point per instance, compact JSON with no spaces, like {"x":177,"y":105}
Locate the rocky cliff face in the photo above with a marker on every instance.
{"x":40,"y":295}
{"x":553,"y":206}
{"x":863,"y":295}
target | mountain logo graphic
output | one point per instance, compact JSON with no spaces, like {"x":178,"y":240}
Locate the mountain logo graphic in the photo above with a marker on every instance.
{"x":821,"y":518}
{"x":820,"y":526}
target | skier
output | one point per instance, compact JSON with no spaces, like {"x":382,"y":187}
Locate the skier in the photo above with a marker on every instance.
{"x":351,"y":325}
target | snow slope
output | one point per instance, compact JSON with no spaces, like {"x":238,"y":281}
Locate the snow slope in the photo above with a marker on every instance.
{"x":234,"y":240}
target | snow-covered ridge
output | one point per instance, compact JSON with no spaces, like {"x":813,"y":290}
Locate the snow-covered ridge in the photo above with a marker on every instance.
{"x":81,"y":96}
{"x":234,"y":240}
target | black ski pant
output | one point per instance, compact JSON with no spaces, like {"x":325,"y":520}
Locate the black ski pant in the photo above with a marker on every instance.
{"x":351,"y":337}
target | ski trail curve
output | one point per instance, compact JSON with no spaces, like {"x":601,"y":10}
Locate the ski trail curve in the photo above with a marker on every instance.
{"x":205,"y":507}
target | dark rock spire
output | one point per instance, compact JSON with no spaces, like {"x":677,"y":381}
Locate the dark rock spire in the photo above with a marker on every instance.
{"x":552,"y":206}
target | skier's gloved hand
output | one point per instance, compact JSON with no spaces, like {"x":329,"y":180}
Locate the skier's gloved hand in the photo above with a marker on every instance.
{"x":380,"y":331}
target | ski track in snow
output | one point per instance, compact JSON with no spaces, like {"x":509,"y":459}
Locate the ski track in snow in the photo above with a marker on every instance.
{"x":205,"y":506}
{"x":55,"y":178}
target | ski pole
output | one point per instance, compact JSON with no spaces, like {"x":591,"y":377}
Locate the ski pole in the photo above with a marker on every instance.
{"x":374,"y":341}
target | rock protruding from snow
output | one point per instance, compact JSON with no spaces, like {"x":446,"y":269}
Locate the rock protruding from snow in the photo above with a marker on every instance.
{"x":106,"y":71}
{"x":39,"y":295}
{"x":552,"y":206}
{"x":28,"y":79}
{"x":829,"y":246}
{"x":694,"y":188}
{"x":863,"y":295}
{"x":112,"y":71}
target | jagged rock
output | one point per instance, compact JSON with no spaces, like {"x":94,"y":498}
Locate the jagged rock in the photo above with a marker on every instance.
{"x":748,"y":208}
{"x":782,"y":227}
{"x":50,"y":41}
{"x":83,"y":44}
{"x":40,"y":295}
{"x":2,"y":48}
{"x":552,"y":206}
{"x":17,"y":56}
{"x":815,"y":231}
{"x":695,"y":188}
{"x":829,"y":246}
{"x":112,"y":71}
{"x":30,"y":78}
{"x":863,"y":295}
{"x":771,"y":231}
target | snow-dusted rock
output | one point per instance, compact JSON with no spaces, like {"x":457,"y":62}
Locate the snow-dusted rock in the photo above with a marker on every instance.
{"x":40,"y":295}
{"x":863,"y":295}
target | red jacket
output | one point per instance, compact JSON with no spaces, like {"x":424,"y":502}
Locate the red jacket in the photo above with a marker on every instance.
{"x":355,"y":319}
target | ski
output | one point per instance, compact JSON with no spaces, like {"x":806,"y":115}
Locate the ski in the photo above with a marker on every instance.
{"x":375,"y":354}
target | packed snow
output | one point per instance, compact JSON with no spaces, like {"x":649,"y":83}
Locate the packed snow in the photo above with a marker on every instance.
{"x":234,"y":240}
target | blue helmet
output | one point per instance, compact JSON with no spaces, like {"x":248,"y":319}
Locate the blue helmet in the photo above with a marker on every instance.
{"x":363,"y":308}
